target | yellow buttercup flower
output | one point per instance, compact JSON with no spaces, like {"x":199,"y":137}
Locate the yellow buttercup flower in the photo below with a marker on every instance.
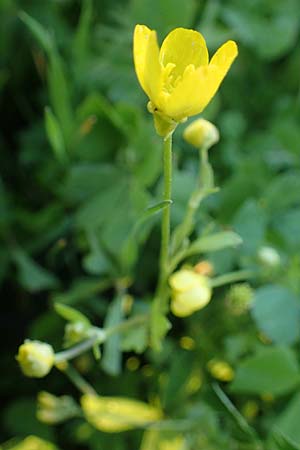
{"x":190,"y":292}
{"x":116,"y":414}
{"x":35,"y":358}
{"x":178,"y":78}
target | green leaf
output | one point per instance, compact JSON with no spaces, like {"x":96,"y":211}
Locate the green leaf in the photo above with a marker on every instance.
{"x":81,"y":290}
{"x":283,"y":442}
{"x":287,"y":225}
{"x":276,"y":312}
{"x":55,"y":135}
{"x":275,"y":198}
{"x":81,"y":38}
{"x":57,"y":80}
{"x":234,"y":413}
{"x":214,"y":242}
{"x":33,"y":277}
{"x":287,"y":424}
{"x":250,"y":223}
{"x":273,"y":370}
{"x":71,"y":314}
{"x":135,"y":339}
{"x":159,"y":326}
{"x":41,"y":35}
{"x":112,"y":355}
{"x":178,"y":374}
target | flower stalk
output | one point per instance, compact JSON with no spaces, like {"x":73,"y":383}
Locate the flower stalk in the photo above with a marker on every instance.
{"x":166,"y":215}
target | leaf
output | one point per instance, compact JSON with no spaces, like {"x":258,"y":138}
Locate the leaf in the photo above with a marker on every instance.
{"x":250,"y":223}
{"x":111,"y":361}
{"x":273,"y":370}
{"x":135,"y":339}
{"x":58,"y":85}
{"x":275,"y":198}
{"x":283,"y":442}
{"x":42,"y":36}
{"x":55,"y":135}
{"x":214,"y":242}
{"x":233,"y":411}
{"x":33,"y":277}
{"x":81,"y":290}
{"x":287,"y":225}
{"x":178,"y":374}
{"x":81,"y":38}
{"x":71,"y":314}
{"x":156,"y":208}
{"x":276,"y":312}
{"x":159,"y":326}
{"x":287,"y":424}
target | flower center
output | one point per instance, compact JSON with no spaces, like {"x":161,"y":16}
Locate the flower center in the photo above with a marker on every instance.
{"x":169,"y":80}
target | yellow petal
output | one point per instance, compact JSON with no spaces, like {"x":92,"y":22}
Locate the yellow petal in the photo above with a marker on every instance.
{"x":115,"y":414}
{"x":183,"y":47}
{"x":190,"y":94}
{"x":224,"y":57}
{"x":199,"y":86}
{"x":186,"y":303}
{"x":183,"y":280}
{"x":146,"y":60}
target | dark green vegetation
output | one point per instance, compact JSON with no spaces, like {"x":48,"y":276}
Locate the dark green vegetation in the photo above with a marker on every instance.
{"x":80,"y":162}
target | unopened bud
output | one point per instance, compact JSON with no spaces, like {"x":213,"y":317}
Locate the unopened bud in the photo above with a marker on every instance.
{"x":239,"y":298}
{"x":201,"y":134}
{"x":35,"y":358}
{"x":190,"y":292}
{"x":53,"y":410}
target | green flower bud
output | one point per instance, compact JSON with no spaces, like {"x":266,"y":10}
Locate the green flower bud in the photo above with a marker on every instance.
{"x":239,"y":298}
{"x":201,"y":134}
{"x":35,"y":358}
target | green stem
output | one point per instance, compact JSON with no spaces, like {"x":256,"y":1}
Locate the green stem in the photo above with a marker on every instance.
{"x":100,"y":335}
{"x":231,"y":277}
{"x":78,"y":381}
{"x":124,"y":326}
{"x":165,"y":225}
{"x":205,"y":187}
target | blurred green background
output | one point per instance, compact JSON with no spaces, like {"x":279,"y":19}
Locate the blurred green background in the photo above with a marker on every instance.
{"x":80,"y":161}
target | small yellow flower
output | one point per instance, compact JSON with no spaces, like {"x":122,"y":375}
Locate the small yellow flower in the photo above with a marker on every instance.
{"x":35,"y":358}
{"x":190,"y":292}
{"x":220,"y":370}
{"x":201,"y":134}
{"x":116,"y":414}
{"x":178,"y":78}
